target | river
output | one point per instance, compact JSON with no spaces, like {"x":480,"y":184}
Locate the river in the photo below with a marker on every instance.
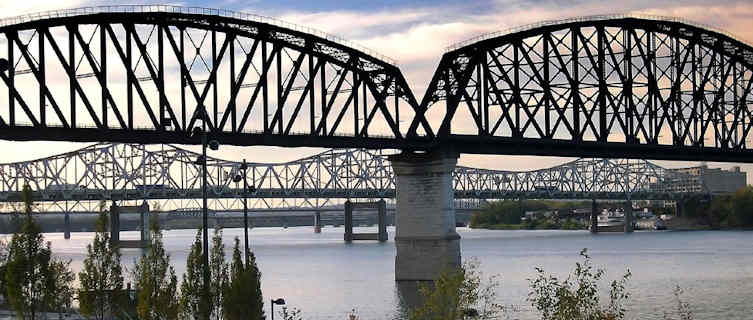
{"x":326,"y":278}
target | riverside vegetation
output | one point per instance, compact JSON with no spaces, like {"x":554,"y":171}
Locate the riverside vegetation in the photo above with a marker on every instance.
{"x":733,"y":211}
{"x":34,"y":281}
{"x":508,"y":215}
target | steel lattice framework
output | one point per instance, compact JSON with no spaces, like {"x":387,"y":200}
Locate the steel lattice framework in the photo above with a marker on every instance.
{"x":616,"y":86}
{"x":149,"y":74}
{"x":78,"y":180}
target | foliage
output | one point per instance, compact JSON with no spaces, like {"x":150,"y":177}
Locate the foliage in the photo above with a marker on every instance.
{"x":101,"y":293}
{"x":734,"y":210}
{"x":577,"y":296}
{"x":459,"y":294}
{"x":243,"y":296}
{"x":35,"y":281}
{"x":193,"y":302}
{"x":218,"y":274}
{"x":290,"y":314}
{"x":155,"y":280}
{"x":683,"y":308}
{"x":742,"y":208}
{"x":511,"y":212}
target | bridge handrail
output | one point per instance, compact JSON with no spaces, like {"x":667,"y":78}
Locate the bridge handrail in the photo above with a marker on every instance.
{"x":544,"y":23}
{"x":63,"y":13}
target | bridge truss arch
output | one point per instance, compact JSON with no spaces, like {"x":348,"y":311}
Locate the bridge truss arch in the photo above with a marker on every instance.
{"x":168,"y":175}
{"x":604,"y":86}
{"x":149,"y":74}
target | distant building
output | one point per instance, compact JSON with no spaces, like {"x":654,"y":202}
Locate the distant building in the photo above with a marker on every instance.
{"x":712,"y":180}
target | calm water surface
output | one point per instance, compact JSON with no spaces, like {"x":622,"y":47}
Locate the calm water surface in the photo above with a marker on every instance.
{"x":326,"y":278}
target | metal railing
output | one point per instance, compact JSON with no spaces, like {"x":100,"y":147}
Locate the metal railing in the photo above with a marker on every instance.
{"x":63,"y":13}
{"x":544,"y":23}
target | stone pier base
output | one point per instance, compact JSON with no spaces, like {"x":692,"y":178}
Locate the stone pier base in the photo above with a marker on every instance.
{"x":628,"y":216}
{"x":594,"y":227}
{"x":425,"y":239}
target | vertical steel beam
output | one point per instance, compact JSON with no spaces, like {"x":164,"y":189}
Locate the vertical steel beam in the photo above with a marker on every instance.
{"x":42,"y":80}
{"x":183,"y":83}
{"x":575,"y":86}
{"x":603,"y":89}
{"x":213,"y":83}
{"x":103,"y":72}
{"x":233,"y":94}
{"x":72,"y":72}
{"x":129,"y":80}
{"x":161,"y":74}
{"x":263,"y":82}
{"x":11,"y":81}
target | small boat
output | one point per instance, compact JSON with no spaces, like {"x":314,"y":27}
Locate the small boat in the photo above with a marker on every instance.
{"x":611,"y":224}
{"x":659,"y":224}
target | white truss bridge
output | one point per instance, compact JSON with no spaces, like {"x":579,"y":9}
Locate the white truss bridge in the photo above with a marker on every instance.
{"x":167,"y":177}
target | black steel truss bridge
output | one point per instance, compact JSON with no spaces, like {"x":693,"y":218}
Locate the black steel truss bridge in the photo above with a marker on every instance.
{"x":598,"y":87}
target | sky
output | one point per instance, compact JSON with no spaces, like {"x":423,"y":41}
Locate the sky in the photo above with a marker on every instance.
{"x":415,"y":33}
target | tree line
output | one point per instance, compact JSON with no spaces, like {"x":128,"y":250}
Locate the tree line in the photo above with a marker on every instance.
{"x":510,"y":213}
{"x":33,"y":280}
{"x":722,"y":211}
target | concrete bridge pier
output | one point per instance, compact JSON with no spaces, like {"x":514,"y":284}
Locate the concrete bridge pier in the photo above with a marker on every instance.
{"x":144,"y":220}
{"x":67,"y":230}
{"x":425,"y":238}
{"x":628,"y":216}
{"x":594,"y":217}
{"x":318,"y":222}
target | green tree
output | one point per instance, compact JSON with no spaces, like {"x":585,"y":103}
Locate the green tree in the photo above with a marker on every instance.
{"x":577,"y":296}
{"x":194,"y":304}
{"x":243,"y":297}
{"x":101,"y":292}
{"x":742,"y":208}
{"x":459,"y":294}
{"x":59,"y":291}
{"x":34,"y":280}
{"x":156,"y":282}
{"x":218,"y":273}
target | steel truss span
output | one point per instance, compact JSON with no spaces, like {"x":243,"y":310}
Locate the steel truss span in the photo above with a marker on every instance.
{"x":617,"y":87}
{"x":168,"y":175}
{"x":149,"y":74}
{"x":614,"y":87}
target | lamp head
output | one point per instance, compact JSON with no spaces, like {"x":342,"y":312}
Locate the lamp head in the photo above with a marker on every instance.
{"x":197,"y":131}
{"x":279,"y":301}
{"x":214,"y":145}
{"x":237,"y":178}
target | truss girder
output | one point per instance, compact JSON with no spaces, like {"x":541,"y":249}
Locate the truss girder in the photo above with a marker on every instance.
{"x":604,"y":87}
{"x":150,"y":75}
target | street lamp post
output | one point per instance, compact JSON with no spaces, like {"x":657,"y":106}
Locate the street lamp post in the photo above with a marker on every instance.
{"x":238,"y":178}
{"x":214,"y":145}
{"x":279,"y":301}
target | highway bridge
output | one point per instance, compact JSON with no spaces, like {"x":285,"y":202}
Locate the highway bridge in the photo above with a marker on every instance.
{"x":169,"y":178}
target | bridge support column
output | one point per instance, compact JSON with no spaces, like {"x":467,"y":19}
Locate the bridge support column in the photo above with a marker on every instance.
{"x":114,"y":225}
{"x":382,"y":220}
{"x":628,"y":216}
{"x":317,"y":222}
{"x":425,"y":239}
{"x":348,"y":237}
{"x":67,"y":231}
{"x":146,"y":223}
{"x":594,"y":217}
